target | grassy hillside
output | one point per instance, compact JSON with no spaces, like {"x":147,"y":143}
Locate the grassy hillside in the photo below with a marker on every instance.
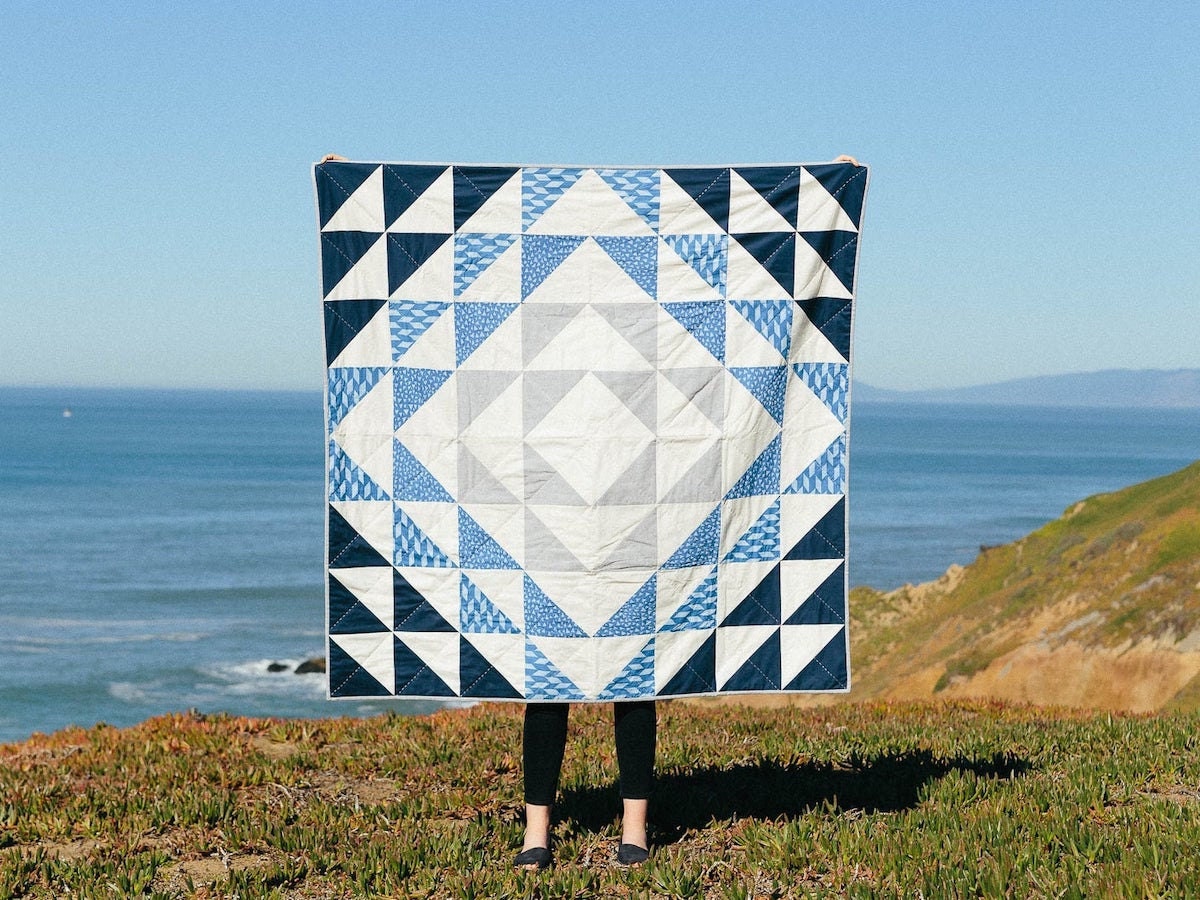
{"x":855,"y":800}
{"x":1099,"y":608}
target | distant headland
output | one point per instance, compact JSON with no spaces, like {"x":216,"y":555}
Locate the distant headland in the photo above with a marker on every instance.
{"x":1140,"y":388}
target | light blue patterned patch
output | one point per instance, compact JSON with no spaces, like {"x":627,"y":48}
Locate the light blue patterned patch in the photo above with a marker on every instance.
{"x":412,"y":481}
{"x":541,"y":254}
{"x":414,"y":547}
{"x":707,"y":254}
{"x":636,"y":679}
{"x":347,"y":481}
{"x":760,"y":543}
{"x":768,"y":384}
{"x":830,"y":382}
{"x":348,"y":386}
{"x":411,"y":388}
{"x":705,"y":321}
{"x":474,"y":323}
{"x":479,"y":550}
{"x":474,"y":253}
{"x":699,"y":611}
{"x":639,"y":188}
{"x":478,"y":614}
{"x":762,"y":478}
{"x":543,"y":617}
{"x":636,"y":615}
{"x":409,"y":319}
{"x":826,"y":474}
{"x":638,"y":256}
{"x":540,"y":188}
{"x":701,"y":547}
{"x":544,"y":680}
{"x":770,"y":318}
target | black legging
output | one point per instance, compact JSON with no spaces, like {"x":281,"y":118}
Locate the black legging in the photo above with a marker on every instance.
{"x":546,"y":738}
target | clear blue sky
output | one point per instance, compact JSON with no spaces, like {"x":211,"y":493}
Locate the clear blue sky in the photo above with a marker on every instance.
{"x":1033,"y":207}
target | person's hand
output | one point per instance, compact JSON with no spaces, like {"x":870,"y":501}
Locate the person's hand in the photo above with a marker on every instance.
{"x":849,"y":159}
{"x":332,"y":157}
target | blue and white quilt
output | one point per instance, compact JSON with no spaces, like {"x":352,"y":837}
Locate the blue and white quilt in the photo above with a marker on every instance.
{"x":587,"y":428}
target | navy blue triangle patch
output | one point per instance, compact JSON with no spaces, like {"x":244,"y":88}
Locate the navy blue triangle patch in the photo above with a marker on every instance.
{"x":412,"y":611}
{"x":347,"y":677}
{"x":775,"y":252}
{"x":826,"y":539}
{"x":709,"y":188}
{"x":349,"y":549}
{"x":699,"y":674}
{"x":827,"y":671}
{"x":836,"y":248}
{"x":831,"y":316}
{"x":336,"y":181}
{"x":344,"y":319}
{"x":846,"y":183}
{"x":702,"y":545}
{"x":761,"y":606}
{"x":778,"y":185}
{"x":474,"y":186}
{"x":478,"y":677}
{"x":826,"y":605}
{"x":340,"y":252}
{"x":403,"y":185}
{"x":414,"y":678}
{"x":408,"y":252}
{"x":762,"y":671}
{"x":348,"y":615}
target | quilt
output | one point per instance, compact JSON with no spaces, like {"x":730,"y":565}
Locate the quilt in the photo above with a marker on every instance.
{"x":587,"y":428}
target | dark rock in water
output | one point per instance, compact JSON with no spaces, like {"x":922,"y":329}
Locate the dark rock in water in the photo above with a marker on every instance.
{"x":276,"y":667}
{"x":316,"y":664}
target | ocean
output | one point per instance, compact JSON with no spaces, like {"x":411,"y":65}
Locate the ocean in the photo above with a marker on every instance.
{"x":162,"y":548}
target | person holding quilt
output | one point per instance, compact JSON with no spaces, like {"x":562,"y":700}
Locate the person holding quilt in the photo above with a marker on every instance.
{"x":545,"y":740}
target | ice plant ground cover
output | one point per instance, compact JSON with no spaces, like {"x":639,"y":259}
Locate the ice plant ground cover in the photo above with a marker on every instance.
{"x":587,"y":428}
{"x":860,"y":800}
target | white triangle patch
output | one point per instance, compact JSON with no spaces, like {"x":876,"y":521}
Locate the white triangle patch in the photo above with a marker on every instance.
{"x":500,"y":213}
{"x":745,"y":345}
{"x":500,"y":282}
{"x":434,"y":280}
{"x":438,"y":650}
{"x":819,"y":210}
{"x":434,"y":349}
{"x":798,"y":578}
{"x":678,"y":213}
{"x":590,"y":206}
{"x":678,"y":281}
{"x":588,"y":274}
{"x":368,"y":279}
{"x":736,"y":645}
{"x":372,"y":587}
{"x":363,"y":210}
{"x":373,"y":520}
{"x":800,"y":644}
{"x":748,"y":279}
{"x":589,"y":342}
{"x":813,"y":277}
{"x":372,"y":346}
{"x":374,"y":652}
{"x":506,"y":652}
{"x":749,"y":212}
{"x":433,"y":211}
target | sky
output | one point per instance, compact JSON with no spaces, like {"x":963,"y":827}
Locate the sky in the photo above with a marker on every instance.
{"x":1033,"y":206}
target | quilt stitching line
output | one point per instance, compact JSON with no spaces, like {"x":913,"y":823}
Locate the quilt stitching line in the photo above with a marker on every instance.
{"x":786,"y":177}
{"x":861,"y":173}
{"x":840,"y":682}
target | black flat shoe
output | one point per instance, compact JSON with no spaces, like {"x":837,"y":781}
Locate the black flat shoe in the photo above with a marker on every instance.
{"x":631,"y":855}
{"x":533,"y":858}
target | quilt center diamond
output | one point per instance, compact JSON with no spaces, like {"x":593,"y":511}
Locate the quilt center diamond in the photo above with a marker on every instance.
{"x":591,"y":438}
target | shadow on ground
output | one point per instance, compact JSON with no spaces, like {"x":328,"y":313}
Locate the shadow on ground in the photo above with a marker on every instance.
{"x":768,"y":789}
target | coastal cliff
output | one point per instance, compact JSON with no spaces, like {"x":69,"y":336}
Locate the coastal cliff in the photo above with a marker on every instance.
{"x":1099,"y":608}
